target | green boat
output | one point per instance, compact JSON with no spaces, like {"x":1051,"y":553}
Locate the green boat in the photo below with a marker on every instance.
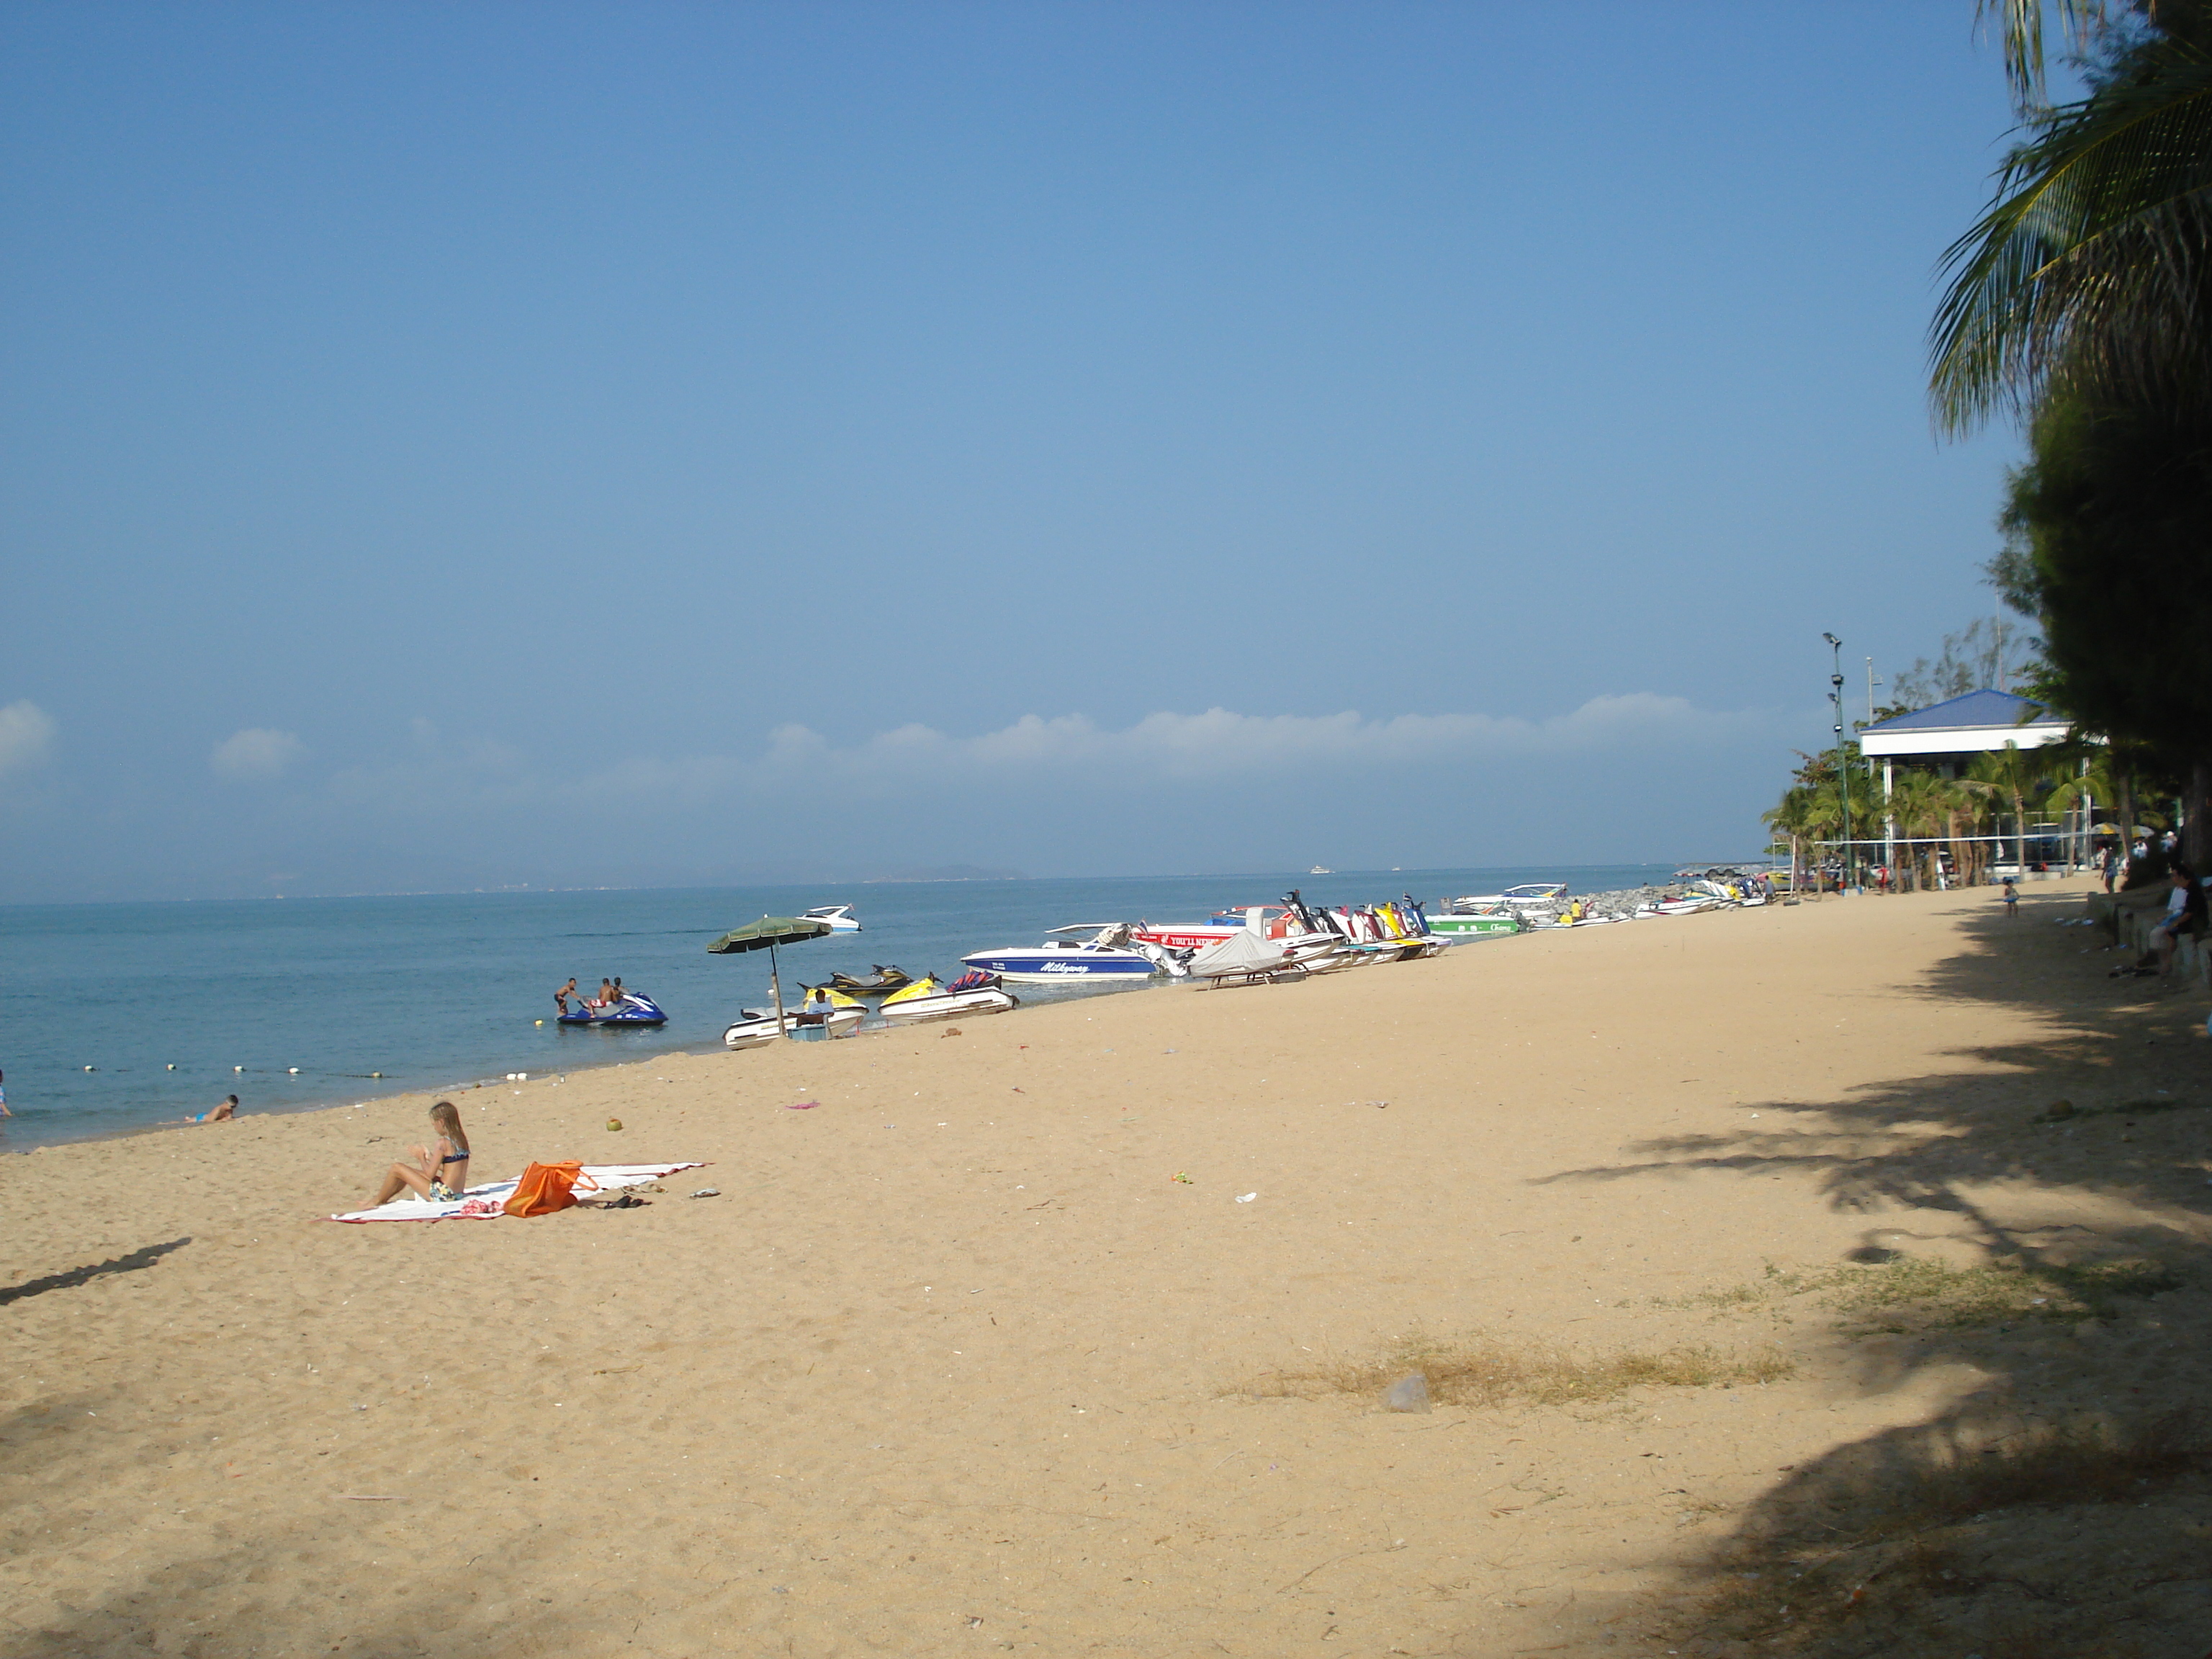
{"x":1481,"y":927}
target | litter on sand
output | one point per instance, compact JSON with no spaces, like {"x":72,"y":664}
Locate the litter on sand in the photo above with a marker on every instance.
{"x":800,"y":1105}
{"x":1248,"y":1197}
{"x":707,"y":1192}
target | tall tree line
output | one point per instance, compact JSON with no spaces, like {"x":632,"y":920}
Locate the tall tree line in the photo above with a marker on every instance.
{"x":2081,"y":303}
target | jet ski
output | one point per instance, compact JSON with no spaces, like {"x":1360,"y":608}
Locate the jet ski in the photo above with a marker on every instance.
{"x":930,"y":998}
{"x":756,"y":1026}
{"x":1251,"y":958}
{"x":631,"y":1009}
{"x":824,"y":999}
{"x":886,"y":979}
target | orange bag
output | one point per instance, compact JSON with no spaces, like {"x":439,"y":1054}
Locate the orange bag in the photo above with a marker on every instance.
{"x":545,"y":1187}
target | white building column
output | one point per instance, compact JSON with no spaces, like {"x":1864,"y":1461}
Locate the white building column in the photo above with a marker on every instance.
{"x":1888,"y":821}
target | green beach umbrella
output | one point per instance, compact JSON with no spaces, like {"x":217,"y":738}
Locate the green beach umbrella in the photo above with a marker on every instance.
{"x":765,"y":935}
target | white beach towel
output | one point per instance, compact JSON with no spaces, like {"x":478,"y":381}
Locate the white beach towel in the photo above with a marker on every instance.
{"x":485,"y":1202}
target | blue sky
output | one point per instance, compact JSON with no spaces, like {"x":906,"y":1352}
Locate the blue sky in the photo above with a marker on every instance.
{"x":450,"y":446}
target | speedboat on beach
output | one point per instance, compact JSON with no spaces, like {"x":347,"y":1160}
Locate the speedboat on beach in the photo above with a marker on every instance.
{"x":1273,"y":920}
{"x":632,"y":1009}
{"x":839,"y":916}
{"x":1485,"y":924}
{"x":1102,"y":951}
{"x":1535,"y":895}
{"x":974,"y":993}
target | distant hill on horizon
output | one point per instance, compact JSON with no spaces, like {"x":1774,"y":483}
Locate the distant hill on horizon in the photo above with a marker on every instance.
{"x":947,"y":872}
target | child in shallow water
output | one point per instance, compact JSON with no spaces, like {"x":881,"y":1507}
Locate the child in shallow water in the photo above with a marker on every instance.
{"x":440,"y":1171}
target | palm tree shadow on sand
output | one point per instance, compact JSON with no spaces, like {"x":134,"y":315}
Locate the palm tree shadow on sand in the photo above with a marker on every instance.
{"x":2037,"y":1215}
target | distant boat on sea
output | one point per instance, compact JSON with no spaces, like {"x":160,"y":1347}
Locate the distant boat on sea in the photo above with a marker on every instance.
{"x":1321,"y":870}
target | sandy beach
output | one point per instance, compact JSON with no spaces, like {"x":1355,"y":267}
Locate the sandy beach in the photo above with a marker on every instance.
{"x":982,"y":1351}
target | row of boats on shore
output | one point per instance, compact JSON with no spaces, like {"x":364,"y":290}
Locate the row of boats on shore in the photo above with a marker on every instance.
{"x":1254,"y":944}
{"x":1259,"y":943}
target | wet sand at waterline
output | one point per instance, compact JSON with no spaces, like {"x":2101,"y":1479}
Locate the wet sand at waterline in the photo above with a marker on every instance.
{"x":956,"y":1364}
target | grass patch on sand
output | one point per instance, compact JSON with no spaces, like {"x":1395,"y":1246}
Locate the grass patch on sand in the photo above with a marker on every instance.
{"x":1482,"y":1371}
{"x":1943,"y":1295}
{"x":1928,"y":1294}
{"x":1918,"y":1294}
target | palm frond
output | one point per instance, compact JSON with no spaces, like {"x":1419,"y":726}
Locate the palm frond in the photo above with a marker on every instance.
{"x":2019,"y":30}
{"x":2092,"y":264}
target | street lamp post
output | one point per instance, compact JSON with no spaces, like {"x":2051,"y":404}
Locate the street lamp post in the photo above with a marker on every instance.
{"x":1843,"y":762}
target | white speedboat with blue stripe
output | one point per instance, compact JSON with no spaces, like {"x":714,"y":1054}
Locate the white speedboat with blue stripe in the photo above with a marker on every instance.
{"x":1092,"y":950}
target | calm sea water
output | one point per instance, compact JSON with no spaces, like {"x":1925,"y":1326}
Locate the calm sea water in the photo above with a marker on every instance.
{"x":123,"y":1016}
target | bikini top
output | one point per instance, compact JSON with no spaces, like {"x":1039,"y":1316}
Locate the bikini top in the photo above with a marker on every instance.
{"x":452,"y":1157}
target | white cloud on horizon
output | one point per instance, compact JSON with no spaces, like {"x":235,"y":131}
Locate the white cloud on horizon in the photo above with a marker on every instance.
{"x":1219,"y":741}
{"x":1212,"y":789}
{"x":26,"y":731}
{"x":1169,"y":747}
{"x":255,"y":752}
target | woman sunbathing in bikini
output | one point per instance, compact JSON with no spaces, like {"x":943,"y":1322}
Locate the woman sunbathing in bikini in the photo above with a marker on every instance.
{"x":440,"y":1171}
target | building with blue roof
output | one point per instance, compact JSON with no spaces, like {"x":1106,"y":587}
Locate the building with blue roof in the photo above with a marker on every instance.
{"x":1946,"y":735}
{"x":1972,"y":723}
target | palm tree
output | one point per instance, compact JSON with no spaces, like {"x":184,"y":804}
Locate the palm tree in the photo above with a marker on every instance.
{"x":2009,"y":774}
{"x":1932,"y":813}
{"x":1792,"y":816}
{"x":2084,"y":299}
{"x":2091,"y":270}
{"x":2090,"y":776}
{"x":1968,"y":815}
{"x":1912,"y":811}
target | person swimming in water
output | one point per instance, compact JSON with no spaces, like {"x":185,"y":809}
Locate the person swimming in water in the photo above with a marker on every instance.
{"x":441,"y":1171}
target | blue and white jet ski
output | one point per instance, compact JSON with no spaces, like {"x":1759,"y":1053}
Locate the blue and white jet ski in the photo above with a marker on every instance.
{"x":632,"y":1010}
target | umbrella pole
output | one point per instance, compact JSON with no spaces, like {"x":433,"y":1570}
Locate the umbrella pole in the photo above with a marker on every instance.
{"x":776,"y":990}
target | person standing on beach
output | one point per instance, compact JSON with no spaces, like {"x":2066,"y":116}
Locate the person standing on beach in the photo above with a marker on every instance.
{"x":4,"y":1112}
{"x":2011,"y":900}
